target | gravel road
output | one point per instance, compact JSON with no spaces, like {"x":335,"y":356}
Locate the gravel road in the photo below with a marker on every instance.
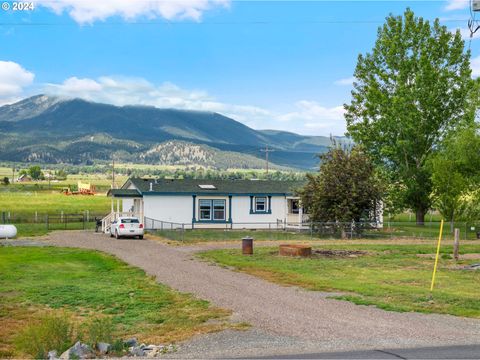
{"x":285,"y":319}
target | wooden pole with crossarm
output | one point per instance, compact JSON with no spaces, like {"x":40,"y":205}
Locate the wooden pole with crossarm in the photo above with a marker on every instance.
{"x":266,"y":150}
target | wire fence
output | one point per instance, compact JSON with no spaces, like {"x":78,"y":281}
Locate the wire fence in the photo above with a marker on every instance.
{"x":197,"y":232}
{"x":33,"y":223}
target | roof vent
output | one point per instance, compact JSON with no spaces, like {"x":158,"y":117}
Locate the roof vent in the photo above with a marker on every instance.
{"x":207,"y":187}
{"x":151,"y":186}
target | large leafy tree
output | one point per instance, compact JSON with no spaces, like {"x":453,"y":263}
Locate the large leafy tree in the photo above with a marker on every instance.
{"x":35,"y":172}
{"x":345,"y":190}
{"x":456,"y":174}
{"x":410,"y":92}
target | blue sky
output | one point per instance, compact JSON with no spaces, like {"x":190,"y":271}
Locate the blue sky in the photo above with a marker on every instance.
{"x":283,"y":65}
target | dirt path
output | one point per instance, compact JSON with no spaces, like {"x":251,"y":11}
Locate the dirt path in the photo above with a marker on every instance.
{"x":285,"y":312}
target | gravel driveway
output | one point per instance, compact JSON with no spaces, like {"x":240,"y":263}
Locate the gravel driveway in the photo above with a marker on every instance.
{"x":284,"y":319}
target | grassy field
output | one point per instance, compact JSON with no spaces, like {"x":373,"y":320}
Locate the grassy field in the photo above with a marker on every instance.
{"x":48,"y":202}
{"x":392,"y":277}
{"x":84,"y":284}
{"x":27,"y":206}
{"x":26,"y":203}
{"x":390,"y":231}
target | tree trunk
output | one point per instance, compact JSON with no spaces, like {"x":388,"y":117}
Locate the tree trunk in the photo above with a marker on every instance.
{"x":420,"y":217}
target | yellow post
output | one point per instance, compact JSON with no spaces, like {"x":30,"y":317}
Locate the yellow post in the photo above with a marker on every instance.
{"x":436,"y":257}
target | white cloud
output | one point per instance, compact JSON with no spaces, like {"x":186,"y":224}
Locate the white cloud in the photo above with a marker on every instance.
{"x":345,"y":82}
{"x":13,"y":79}
{"x":89,"y":11}
{"x":307,"y":117}
{"x":457,"y":5}
{"x":312,"y":116}
{"x":137,"y":91}
{"x":465,"y":32}
{"x":475,"y":65}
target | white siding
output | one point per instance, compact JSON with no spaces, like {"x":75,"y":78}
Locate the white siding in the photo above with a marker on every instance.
{"x":179,"y":209}
{"x":243,"y":219}
{"x":176,"y":209}
{"x":127,"y":204}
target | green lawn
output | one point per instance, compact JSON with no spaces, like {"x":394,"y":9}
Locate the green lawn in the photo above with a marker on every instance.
{"x":391,"y":277}
{"x":31,"y":229}
{"x":35,"y":281}
{"x":206,"y":235}
{"x":390,"y":231}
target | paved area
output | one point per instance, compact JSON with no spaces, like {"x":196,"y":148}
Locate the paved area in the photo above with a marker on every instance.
{"x":440,"y":352}
{"x":286,"y":320}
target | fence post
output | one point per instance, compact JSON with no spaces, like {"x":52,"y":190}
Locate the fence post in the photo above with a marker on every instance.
{"x":456,"y":244}
{"x":46,"y":221}
{"x":36,"y":217}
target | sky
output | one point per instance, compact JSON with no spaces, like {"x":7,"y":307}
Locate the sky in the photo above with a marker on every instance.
{"x":284,"y":65}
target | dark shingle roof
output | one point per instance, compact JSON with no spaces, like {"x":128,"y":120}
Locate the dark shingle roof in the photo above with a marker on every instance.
{"x":123,"y":193}
{"x":224,"y":187}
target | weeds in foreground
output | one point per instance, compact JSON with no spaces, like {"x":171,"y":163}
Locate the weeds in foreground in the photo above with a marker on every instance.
{"x":51,"y":332}
{"x":59,"y":332}
{"x":99,"y":329}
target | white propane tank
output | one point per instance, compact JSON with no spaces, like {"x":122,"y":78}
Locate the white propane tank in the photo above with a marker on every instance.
{"x":8,"y":231}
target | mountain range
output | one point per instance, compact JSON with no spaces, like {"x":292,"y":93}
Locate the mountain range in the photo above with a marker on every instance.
{"x":50,"y":129}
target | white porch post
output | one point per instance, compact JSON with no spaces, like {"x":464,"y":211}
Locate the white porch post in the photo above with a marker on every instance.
{"x":118,"y":205}
{"x":300,"y":214}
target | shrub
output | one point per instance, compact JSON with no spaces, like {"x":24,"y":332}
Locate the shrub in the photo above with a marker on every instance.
{"x":99,"y":329}
{"x":52,"y":332}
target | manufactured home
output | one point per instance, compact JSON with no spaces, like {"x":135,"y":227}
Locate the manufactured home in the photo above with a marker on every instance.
{"x":232,"y":204}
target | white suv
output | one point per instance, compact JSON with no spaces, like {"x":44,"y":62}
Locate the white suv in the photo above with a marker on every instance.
{"x":126,"y":226}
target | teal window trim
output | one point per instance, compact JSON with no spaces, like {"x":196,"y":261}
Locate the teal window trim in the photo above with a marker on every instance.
{"x":194,"y":197}
{"x":211,"y":204}
{"x":230,"y":208}
{"x":267,"y":202}
{"x":213,"y":222}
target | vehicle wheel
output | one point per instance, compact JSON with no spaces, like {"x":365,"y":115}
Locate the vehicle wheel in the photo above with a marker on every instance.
{"x":116,"y":235}
{"x":111,"y":235}
{"x":140,"y":237}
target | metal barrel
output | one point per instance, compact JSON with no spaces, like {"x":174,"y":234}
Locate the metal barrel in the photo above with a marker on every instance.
{"x":247,"y":246}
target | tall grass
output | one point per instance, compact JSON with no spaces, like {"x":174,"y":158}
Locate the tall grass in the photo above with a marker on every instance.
{"x":51,"y":332}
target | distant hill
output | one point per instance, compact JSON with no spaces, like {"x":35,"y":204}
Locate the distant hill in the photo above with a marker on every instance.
{"x":54,"y":130}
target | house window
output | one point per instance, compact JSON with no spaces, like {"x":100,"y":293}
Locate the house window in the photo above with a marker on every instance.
{"x":260,"y":204}
{"x":218,"y":209}
{"x":205,"y":208}
{"x":295,"y":207}
{"x":211,"y":210}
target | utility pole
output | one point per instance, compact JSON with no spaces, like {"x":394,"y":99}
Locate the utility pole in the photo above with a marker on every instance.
{"x":266,"y":151}
{"x":13,"y":174}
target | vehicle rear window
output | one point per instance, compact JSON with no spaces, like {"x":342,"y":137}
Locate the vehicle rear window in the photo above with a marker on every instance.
{"x":129,"y":221}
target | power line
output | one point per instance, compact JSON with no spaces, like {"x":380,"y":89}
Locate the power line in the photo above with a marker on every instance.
{"x":204,"y":23}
